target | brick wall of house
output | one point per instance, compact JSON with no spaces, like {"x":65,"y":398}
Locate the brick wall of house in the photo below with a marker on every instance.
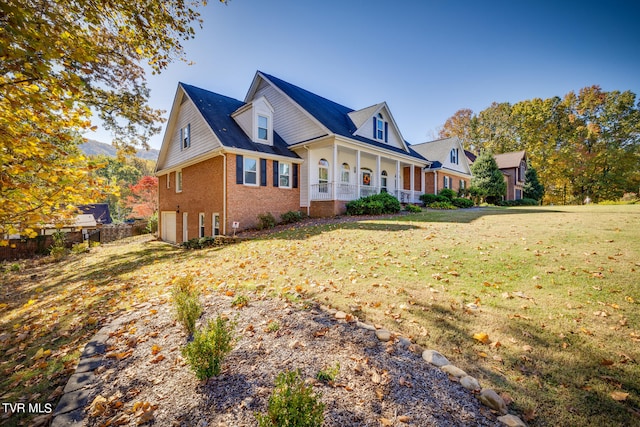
{"x":328,"y":208}
{"x":202,"y":191}
{"x":245,"y":202}
{"x":406,"y":178}
{"x":455,"y":184}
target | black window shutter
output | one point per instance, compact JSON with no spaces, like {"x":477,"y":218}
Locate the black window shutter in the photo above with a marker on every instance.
{"x":386,"y":131}
{"x":276,"y":173}
{"x":375,"y":129}
{"x":295,"y":175}
{"x":181,"y":138}
{"x":263,"y":172}
{"x":189,"y":134}
{"x":239,"y":169}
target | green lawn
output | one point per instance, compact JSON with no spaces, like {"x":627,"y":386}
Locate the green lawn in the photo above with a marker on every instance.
{"x":556,"y":290}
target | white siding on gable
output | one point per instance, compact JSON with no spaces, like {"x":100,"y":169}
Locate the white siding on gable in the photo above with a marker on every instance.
{"x":288,"y":120}
{"x":393,"y":138}
{"x":203,"y":139}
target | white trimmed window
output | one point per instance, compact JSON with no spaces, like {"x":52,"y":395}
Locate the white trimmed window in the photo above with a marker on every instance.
{"x":201,"y":224}
{"x":447,"y":182}
{"x":380,"y":128}
{"x":250,"y":171}
{"x":454,"y":156}
{"x":185,"y":137}
{"x":323,"y":176}
{"x":344,"y":176}
{"x":215,"y":224}
{"x":263,"y":128}
{"x":169,"y":180}
{"x":284,"y":175}
{"x":178,"y":181}
{"x":383,"y":182}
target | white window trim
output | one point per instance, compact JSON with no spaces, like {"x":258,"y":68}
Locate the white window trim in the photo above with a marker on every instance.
{"x":345,"y":172}
{"x":280,"y":164}
{"x":256,"y":127}
{"x":179,"y":181}
{"x":244,"y":172}
{"x":169,"y":180}
{"x":185,"y":133}
{"x":213,"y":224}
{"x":379,"y":121}
{"x":201,"y":226}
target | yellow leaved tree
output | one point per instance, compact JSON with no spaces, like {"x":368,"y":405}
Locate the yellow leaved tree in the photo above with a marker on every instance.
{"x":59,"y":62}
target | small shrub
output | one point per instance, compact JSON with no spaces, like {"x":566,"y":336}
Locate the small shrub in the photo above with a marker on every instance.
{"x":209,"y":348}
{"x":442,"y":205}
{"x":240,"y":301}
{"x":152,"y":223}
{"x":448,"y":193}
{"x":59,"y":249}
{"x":79,"y":248}
{"x":266,"y":220}
{"x":15,"y":267}
{"x":413,"y":208}
{"x":291,"y":217}
{"x":376,"y":204}
{"x":427,"y":199}
{"x":272,"y":326}
{"x":186,"y":301}
{"x":328,"y":374}
{"x":205,"y":242}
{"x":459,"y":202}
{"x":292,"y":404}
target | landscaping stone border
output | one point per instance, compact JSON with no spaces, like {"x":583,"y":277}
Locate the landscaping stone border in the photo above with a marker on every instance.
{"x":80,"y":388}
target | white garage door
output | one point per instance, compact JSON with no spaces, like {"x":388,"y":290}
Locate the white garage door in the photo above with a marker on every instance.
{"x":168,"y":231}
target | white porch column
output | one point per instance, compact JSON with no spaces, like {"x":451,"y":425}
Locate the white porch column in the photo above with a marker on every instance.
{"x":358,"y":177}
{"x":412,"y":178}
{"x":334,"y":180}
{"x":378,"y":176}
{"x":398,"y":179}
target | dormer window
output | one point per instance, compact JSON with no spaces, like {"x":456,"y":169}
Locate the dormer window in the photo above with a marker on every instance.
{"x":263,"y":128}
{"x":380,"y":128}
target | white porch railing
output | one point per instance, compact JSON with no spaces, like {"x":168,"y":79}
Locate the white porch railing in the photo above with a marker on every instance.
{"x":346,"y":192}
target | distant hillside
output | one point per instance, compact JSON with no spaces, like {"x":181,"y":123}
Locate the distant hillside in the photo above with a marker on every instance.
{"x":95,"y":148}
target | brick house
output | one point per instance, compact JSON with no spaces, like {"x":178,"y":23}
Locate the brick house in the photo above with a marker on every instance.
{"x":449,"y":167}
{"x":513,"y":166}
{"x":225,"y":161}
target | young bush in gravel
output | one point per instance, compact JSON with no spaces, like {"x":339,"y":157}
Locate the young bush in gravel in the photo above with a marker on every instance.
{"x":186,"y":300}
{"x":292,"y":404}
{"x":209,"y":347}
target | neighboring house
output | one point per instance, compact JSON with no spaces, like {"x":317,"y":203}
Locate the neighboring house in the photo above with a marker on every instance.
{"x":223,"y":161}
{"x":449,"y":167}
{"x":514,"y":166}
{"x":99,"y":211}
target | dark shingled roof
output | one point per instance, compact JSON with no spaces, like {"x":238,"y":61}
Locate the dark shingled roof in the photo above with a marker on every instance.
{"x":217,"y":109}
{"x":100,"y":212}
{"x":332,"y":115}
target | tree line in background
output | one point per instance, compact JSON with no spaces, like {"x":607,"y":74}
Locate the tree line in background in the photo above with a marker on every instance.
{"x":584,"y":145}
{"x":136,"y":190}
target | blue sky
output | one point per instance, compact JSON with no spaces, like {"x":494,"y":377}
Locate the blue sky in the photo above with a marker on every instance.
{"x":426,"y":59}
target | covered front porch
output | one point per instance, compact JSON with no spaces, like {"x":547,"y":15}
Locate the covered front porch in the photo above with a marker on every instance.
{"x":340,"y":172}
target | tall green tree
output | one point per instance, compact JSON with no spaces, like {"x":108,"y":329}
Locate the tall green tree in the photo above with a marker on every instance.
{"x":532,"y":187}
{"x":59,"y":61}
{"x":487,"y":182}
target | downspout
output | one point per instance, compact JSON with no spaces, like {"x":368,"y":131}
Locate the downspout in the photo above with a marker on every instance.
{"x":224,"y":194}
